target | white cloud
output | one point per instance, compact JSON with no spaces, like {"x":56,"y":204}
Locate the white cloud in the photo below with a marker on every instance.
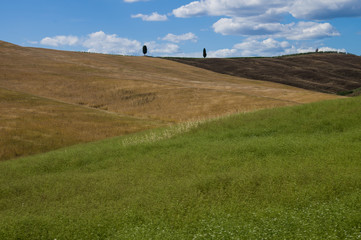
{"x":178,"y":38}
{"x":162,"y":49}
{"x":306,"y":9}
{"x":99,"y":42}
{"x":222,"y":53}
{"x":292,"y":31}
{"x":228,"y":8}
{"x":244,"y":27}
{"x":151,"y":18}
{"x":267,"y":47}
{"x":110,"y":43}
{"x":325,"y":9}
{"x":60,"y":40}
{"x":264,"y":18}
{"x":310,"y":30}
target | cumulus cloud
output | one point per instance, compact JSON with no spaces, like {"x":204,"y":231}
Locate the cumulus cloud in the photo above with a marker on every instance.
{"x":162,"y":49}
{"x":245,"y":27}
{"x":310,"y":30}
{"x":264,"y":17}
{"x":325,"y":9}
{"x":254,"y":47}
{"x":178,"y":38}
{"x":223,"y":53}
{"x":151,"y":18}
{"x":266,"y":47}
{"x":307,"y":9}
{"x":292,"y":31}
{"x":110,"y":43}
{"x":60,"y":41}
{"x":227,"y":8}
{"x":99,"y":42}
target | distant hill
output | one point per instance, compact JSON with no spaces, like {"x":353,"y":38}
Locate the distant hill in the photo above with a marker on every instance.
{"x":335,"y":73}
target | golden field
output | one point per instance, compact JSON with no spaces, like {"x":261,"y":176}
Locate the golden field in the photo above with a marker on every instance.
{"x":60,"y":98}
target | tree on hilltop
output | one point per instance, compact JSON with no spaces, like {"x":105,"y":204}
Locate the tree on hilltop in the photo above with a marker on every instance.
{"x":204,"y":53}
{"x":145,"y":50}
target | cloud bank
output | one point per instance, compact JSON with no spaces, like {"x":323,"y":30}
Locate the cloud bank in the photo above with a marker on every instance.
{"x":302,"y":9}
{"x":99,"y":42}
{"x":292,"y":31}
{"x":267,"y":47}
{"x":264,"y":18}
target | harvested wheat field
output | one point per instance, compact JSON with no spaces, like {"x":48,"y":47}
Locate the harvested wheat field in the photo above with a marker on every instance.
{"x":31,"y":124}
{"x":151,"y":91}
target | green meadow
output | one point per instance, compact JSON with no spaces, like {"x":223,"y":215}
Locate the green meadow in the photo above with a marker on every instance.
{"x":283,"y":173}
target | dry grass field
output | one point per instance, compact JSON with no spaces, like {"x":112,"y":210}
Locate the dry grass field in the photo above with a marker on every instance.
{"x":98,"y":93}
{"x":30,"y":124}
{"x":139,"y":86}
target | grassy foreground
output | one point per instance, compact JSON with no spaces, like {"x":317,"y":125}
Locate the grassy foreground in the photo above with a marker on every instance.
{"x":286,"y":173}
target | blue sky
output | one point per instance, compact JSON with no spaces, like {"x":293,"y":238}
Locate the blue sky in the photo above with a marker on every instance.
{"x":226,"y":28}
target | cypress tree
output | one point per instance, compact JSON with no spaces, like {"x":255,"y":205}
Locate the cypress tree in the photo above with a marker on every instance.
{"x":145,"y":50}
{"x":204,"y":53}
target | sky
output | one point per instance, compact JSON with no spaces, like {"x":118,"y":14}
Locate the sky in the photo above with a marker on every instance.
{"x":226,"y":28}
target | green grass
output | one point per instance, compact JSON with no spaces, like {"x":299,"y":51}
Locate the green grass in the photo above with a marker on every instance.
{"x":286,"y":173}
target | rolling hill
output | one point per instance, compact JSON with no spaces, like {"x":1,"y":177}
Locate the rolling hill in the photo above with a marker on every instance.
{"x":151,"y":91}
{"x":290,"y":170}
{"x":282,"y":173}
{"x":335,"y":73}
{"x":139,"y":86}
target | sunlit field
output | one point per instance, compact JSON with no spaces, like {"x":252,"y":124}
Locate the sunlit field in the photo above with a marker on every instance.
{"x":52,"y":99}
{"x":142,"y":87}
{"x":284,"y":173}
{"x":30,"y":124}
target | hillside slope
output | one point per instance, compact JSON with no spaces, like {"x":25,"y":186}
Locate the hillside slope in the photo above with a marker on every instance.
{"x":108,"y":95}
{"x":139,"y":86}
{"x":30,"y":124}
{"x":323,"y":72}
{"x":284,"y":173}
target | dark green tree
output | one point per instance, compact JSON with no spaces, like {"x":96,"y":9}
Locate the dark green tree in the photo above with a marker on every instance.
{"x":145,"y":50}
{"x":204,"y":53}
